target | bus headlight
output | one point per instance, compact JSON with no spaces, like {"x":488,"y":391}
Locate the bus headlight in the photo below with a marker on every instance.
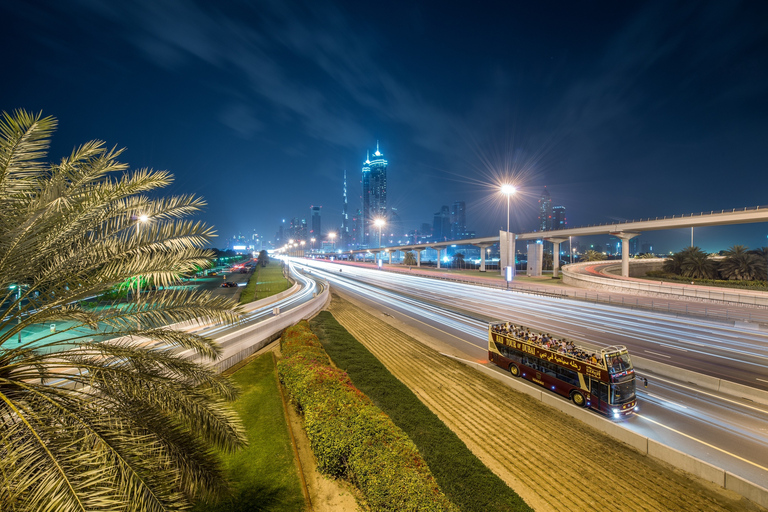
{"x":616,"y":413}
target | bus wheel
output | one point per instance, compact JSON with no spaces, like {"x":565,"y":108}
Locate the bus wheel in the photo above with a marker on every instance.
{"x":514,"y":370}
{"x":578,"y":399}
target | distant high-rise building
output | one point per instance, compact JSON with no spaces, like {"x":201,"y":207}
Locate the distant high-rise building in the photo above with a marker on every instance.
{"x":298,"y":229}
{"x":344,"y":229}
{"x":558,"y":218}
{"x":356,"y":238}
{"x":315,"y":232}
{"x":441,"y":225}
{"x":374,"y":194}
{"x":545,"y":211}
{"x":458,"y":220}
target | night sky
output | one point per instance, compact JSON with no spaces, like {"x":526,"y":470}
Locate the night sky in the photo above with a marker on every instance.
{"x":623,"y":110}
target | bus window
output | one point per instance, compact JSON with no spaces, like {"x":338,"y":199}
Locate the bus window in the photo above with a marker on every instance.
{"x":618,"y":363}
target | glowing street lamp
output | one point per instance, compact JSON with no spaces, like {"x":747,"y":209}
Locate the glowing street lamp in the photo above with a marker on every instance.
{"x":508,"y":190}
{"x":332,"y":236}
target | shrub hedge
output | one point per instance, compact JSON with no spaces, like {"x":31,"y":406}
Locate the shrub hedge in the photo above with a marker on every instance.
{"x":350,"y":437}
{"x":467,"y":482}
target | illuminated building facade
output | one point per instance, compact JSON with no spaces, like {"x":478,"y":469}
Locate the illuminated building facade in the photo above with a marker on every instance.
{"x":374,"y":194}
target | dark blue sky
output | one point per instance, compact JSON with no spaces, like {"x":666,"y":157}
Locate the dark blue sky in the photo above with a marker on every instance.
{"x":622,"y":109}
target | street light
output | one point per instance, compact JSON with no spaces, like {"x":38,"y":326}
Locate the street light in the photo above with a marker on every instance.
{"x":332,"y":236}
{"x":508,"y":190}
{"x":379,"y":223}
{"x":313,"y":242}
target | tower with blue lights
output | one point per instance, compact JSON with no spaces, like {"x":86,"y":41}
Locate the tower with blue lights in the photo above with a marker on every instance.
{"x":374,"y":193}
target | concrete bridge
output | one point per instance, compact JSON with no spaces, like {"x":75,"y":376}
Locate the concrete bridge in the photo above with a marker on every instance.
{"x":625,"y":231}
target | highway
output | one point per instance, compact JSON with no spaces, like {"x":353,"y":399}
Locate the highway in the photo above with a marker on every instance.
{"x":728,"y":432}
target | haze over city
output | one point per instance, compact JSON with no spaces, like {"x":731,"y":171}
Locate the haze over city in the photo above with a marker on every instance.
{"x":623,"y":111}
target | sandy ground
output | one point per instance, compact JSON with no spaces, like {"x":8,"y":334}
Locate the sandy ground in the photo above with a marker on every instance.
{"x":553,"y":461}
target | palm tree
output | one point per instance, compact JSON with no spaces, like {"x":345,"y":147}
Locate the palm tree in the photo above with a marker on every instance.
{"x":697,"y":264}
{"x":126,"y":423}
{"x":743,"y":265}
{"x":592,"y":255}
{"x":458,"y":260}
{"x":409,"y":258}
{"x":674,"y":263}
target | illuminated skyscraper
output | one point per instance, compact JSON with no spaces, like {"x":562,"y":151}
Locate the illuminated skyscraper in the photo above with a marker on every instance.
{"x":374,"y":194}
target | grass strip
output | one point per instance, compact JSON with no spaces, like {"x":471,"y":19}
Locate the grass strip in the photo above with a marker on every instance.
{"x":249,"y":292}
{"x":264,"y":475}
{"x":271,"y":281}
{"x":466,"y":481}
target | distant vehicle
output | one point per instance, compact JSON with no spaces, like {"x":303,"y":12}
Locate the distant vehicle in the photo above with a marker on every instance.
{"x":229,"y":284}
{"x":213,"y":273}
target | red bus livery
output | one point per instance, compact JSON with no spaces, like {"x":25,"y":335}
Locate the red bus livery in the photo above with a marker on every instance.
{"x":604,"y":382}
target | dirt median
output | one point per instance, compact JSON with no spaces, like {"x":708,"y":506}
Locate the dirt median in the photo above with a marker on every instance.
{"x":555,"y":462}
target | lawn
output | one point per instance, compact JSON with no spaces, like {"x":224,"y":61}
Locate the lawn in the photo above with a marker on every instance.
{"x":264,"y":475}
{"x":265,"y":282}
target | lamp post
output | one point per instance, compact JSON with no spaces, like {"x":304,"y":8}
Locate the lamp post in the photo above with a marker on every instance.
{"x":302,"y":248}
{"x":332,"y":236}
{"x":313,"y":243}
{"x":508,"y":190}
{"x":570,"y":248}
{"x":379,"y":223}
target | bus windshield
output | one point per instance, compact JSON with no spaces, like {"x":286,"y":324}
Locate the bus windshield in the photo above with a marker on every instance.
{"x":618,"y":362}
{"x":623,"y":392}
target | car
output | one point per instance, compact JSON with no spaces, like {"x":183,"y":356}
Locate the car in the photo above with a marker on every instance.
{"x":229,"y":284}
{"x":213,"y":273}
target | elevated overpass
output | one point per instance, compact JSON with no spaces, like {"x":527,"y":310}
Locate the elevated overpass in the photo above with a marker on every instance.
{"x":625,"y":231}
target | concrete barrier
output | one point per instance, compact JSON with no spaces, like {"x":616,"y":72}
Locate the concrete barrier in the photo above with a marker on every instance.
{"x":658,"y":288}
{"x":644,"y":445}
{"x":752,"y":492}
{"x":239,"y":345}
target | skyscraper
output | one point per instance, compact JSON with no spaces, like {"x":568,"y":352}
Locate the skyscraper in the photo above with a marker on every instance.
{"x":374,"y":193}
{"x":315,"y":232}
{"x":458,"y":220}
{"x":545,"y":211}
{"x":344,"y":229}
{"x":558,"y":218}
{"x":441,"y":225}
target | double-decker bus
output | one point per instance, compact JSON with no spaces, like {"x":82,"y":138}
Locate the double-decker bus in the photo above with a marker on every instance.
{"x":604,"y":382}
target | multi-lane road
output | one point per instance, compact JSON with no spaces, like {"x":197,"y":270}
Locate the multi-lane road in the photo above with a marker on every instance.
{"x":729,"y":432}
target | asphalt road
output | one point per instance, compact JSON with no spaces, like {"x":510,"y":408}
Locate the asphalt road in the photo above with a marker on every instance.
{"x":730,"y":433}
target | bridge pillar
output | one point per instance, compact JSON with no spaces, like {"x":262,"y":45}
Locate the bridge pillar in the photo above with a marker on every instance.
{"x":507,"y":250}
{"x":418,"y":257}
{"x":625,"y":238}
{"x":390,"y":257}
{"x":555,"y":254}
{"x":483,"y":247}
{"x":438,"y":256}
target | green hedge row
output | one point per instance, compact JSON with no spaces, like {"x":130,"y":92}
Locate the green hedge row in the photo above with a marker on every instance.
{"x":467,"y":482}
{"x":350,"y":437}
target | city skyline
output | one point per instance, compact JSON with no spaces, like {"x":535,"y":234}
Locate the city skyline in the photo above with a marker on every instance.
{"x":624,"y":111}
